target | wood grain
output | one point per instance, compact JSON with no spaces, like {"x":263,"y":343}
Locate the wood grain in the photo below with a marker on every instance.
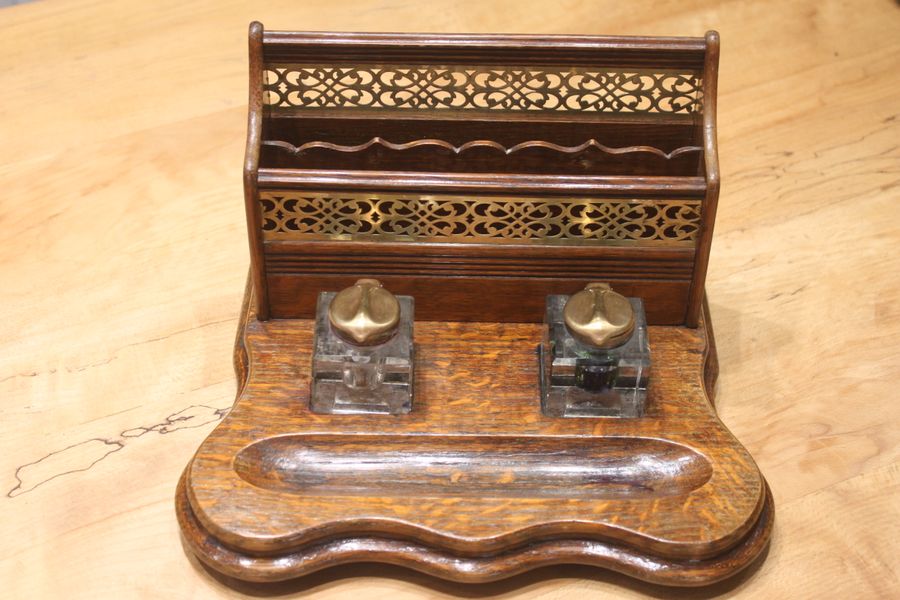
{"x":124,"y":254}
{"x":475,"y":484}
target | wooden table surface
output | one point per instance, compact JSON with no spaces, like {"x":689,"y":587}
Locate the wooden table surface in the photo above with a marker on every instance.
{"x":123,"y":260}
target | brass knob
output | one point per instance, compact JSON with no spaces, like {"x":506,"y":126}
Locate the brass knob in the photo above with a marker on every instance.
{"x":365,"y":314}
{"x":599,"y":317}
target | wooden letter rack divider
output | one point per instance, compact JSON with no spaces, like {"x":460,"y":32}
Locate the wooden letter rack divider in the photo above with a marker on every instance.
{"x":478,"y":174}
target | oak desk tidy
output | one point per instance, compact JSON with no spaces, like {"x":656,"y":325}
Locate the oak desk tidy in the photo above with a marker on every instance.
{"x":474,"y":339}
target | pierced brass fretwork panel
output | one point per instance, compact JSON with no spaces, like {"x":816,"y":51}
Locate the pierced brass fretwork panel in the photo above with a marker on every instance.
{"x":294,"y":215}
{"x":553,"y":89}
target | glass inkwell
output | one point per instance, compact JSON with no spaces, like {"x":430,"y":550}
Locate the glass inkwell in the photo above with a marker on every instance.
{"x":595,"y":356}
{"x":363,"y":351}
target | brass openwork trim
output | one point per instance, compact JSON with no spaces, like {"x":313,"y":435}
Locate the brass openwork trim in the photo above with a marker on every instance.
{"x":554,"y":89}
{"x":297,"y":215}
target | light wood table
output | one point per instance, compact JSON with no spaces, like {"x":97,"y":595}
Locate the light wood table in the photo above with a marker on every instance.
{"x":123,"y":260}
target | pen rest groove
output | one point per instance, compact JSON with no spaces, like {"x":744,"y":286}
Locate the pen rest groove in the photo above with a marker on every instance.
{"x":471,"y":466}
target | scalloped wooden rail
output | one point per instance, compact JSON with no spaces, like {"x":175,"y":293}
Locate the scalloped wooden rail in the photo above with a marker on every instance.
{"x":379,"y":141}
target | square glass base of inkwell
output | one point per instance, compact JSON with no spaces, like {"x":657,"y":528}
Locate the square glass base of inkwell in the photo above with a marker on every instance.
{"x":352,"y":379}
{"x":578,"y":380}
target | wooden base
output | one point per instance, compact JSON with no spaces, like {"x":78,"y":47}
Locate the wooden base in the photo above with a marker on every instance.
{"x":475,"y":484}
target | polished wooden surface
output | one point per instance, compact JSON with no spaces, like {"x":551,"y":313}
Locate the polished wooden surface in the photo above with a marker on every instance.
{"x":124,"y":256}
{"x":476,"y":484}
